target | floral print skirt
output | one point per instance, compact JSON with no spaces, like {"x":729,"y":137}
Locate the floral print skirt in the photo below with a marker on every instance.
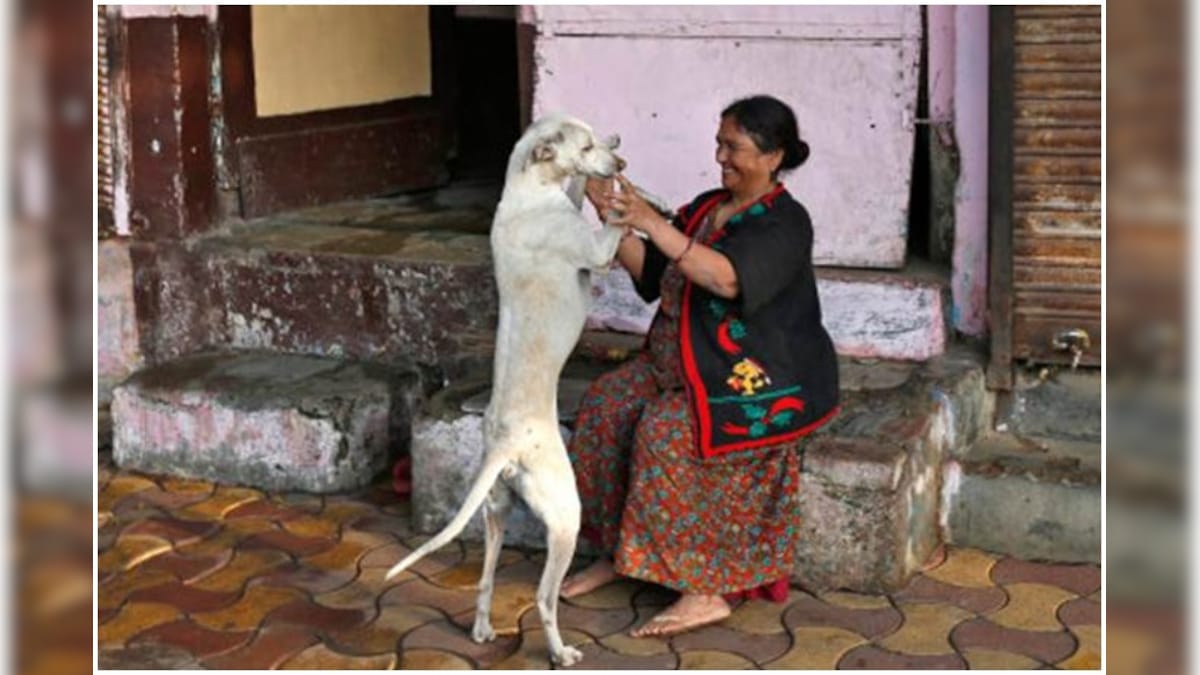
{"x":727,"y":525}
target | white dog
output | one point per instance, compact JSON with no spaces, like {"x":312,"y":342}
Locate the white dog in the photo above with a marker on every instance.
{"x":543,"y":250}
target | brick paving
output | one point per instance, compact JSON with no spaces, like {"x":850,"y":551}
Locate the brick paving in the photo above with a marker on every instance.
{"x":199,"y":575}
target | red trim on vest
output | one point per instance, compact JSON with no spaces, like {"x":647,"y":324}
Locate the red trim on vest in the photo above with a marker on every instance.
{"x":697,"y":396}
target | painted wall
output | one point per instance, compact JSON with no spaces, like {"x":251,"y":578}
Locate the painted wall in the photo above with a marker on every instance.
{"x":659,"y":77}
{"x":968,"y":284}
{"x":320,"y":57}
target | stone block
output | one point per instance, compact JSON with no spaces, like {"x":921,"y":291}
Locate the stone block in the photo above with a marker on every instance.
{"x":447,"y":450}
{"x":271,"y":421}
{"x":117,"y":350}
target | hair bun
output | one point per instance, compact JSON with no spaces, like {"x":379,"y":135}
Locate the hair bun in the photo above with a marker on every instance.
{"x":801,"y":152}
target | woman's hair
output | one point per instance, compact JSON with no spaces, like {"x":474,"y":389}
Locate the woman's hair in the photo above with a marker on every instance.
{"x":772,"y":125}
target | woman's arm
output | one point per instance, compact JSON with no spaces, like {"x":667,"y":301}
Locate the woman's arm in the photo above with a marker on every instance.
{"x":699,"y":263}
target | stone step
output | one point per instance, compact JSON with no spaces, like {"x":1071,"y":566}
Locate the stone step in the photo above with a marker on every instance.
{"x":871,"y":477}
{"x":1030,"y":499}
{"x":265,"y":420}
{"x":372,"y":283}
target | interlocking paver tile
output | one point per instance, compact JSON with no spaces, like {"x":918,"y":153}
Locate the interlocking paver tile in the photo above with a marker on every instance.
{"x":613,"y":596}
{"x":510,"y":602}
{"x":223,"y":500}
{"x":596,"y":657}
{"x":189,"y":486}
{"x":1045,"y":646}
{"x":287,"y":542}
{"x":178,"y":532}
{"x":308,"y":614}
{"x":421,"y":592}
{"x":129,"y":551}
{"x":816,"y":648}
{"x":965,"y":567}
{"x":163,"y":499}
{"x":342,"y":555}
{"x":534,"y":651}
{"x":987,"y":659}
{"x":122,"y":486}
{"x":432,"y":659}
{"x":105,"y":615}
{"x":621,"y":643}
{"x":111,"y":593}
{"x":313,"y":527}
{"x":447,"y":636}
{"x":855,"y":600}
{"x":805,"y":610}
{"x":761,"y":648}
{"x":758,"y":617}
{"x":186,"y":598}
{"x":1031,"y":607}
{"x":1079,"y":579}
{"x":144,"y":657}
{"x":517,"y":570}
{"x":267,"y":650}
{"x":598,"y":623}
{"x":232,"y":533}
{"x":1080,"y":612}
{"x":1087,"y":655}
{"x":427,"y":567}
{"x":383,"y":633}
{"x":305,"y":501}
{"x":187,"y":567}
{"x":244,"y":565}
{"x":271,"y":509}
{"x":321,"y":657}
{"x":196,"y":640}
{"x":653,"y":596}
{"x":706,"y":659}
{"x":926,"y":629}
{"x":309,"y":579}
{"x":461,"y":577}
{"x":249,"y":610}
{"x":393,"y":526}
{"x":977,"y":600}
{"x":870,"y":657}
{"x":133,"y":618}
{"x":345,"y":509}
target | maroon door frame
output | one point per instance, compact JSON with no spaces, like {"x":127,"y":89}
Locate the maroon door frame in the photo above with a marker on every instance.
{"x":290,"y":161}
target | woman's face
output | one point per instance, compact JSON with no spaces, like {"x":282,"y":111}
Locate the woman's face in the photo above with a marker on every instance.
{"x":743,"y":166}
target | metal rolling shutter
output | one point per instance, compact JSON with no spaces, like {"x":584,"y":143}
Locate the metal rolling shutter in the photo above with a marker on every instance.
{"x":1056,"y":181}
{"x":104,"y":158}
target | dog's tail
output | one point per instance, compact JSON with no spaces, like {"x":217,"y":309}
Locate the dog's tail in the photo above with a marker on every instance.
{"x":493,"y":464}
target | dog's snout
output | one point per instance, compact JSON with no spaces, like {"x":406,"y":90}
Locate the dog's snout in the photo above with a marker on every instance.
{"x":620,"y":162}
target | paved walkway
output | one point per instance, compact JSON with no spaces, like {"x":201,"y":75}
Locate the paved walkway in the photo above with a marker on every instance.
{"x":198,"y":575}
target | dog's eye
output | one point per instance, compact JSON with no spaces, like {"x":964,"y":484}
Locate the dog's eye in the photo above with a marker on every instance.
{"x":588,"y":147}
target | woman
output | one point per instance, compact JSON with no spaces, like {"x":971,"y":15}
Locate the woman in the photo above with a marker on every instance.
{"x":687,"y":458}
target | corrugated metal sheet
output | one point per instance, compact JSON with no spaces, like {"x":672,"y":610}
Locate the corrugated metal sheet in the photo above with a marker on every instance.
{"x":104,"y":158}
{"x":1056,"y":182}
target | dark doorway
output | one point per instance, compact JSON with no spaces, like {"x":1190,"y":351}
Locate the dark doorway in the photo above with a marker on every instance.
{"x":485,"y":114}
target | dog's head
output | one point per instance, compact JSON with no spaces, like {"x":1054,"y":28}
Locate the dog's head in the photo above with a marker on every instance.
{"x":568,"y":147}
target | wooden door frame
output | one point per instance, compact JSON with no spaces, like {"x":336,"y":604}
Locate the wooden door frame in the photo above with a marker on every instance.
{"x":1001,"y":55}
{"x":268,"y":143}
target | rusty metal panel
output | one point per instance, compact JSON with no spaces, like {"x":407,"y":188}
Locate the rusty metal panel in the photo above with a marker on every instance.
{"x":1056,"y":180}
{"x":104,"y":140}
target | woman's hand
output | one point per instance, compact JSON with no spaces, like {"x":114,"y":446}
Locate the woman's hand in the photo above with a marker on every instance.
{"x":633,"y":211}
{"x":598,"y":191}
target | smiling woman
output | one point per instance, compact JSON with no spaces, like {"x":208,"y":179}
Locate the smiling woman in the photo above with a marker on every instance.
{"x":688,"y":458}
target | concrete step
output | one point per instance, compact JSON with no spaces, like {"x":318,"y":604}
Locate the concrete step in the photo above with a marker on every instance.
{"x":1030,"y":499}
{"x":270,"y":421}
{"x":871,"y":477}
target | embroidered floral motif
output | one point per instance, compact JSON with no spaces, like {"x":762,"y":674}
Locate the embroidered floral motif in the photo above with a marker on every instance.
{"x":748,"y":377}
{"x":780,"y":415}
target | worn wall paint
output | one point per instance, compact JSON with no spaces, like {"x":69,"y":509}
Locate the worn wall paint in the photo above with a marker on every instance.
{"x":317,"y":58}
{"x":118,"y":352}
{"x":659,"y":76}
{"x":970,"y":258}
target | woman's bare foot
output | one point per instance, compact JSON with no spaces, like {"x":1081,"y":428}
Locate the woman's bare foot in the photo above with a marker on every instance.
{"x":688,"y":612}
{"x":588,"y":579}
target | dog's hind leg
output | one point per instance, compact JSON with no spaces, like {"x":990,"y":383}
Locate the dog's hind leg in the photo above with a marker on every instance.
{"x":495,"y":513}
{"x":551,"y":495}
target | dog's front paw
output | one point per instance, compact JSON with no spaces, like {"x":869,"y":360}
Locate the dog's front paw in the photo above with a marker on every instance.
{"x":569,"y":656}
{"x":483,"y":631}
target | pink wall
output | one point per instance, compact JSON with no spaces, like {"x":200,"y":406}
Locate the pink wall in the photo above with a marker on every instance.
{"x":969,"y":278}
{"x":659,"y":77}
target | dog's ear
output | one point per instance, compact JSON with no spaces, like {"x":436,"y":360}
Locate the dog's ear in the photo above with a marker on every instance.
{"x":546,"y":150}
{"x":612,"y":142}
